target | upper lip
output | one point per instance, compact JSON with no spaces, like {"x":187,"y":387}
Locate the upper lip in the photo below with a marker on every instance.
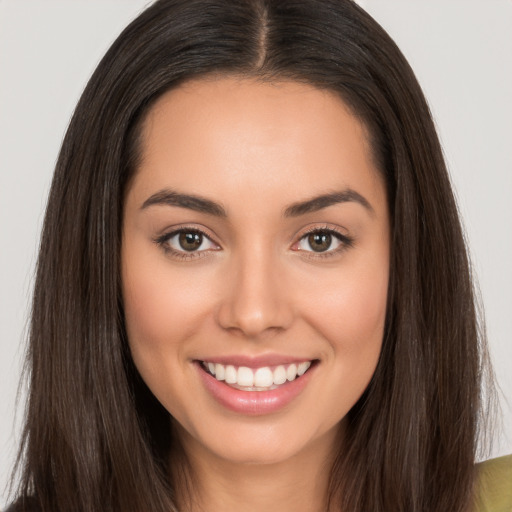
{"x":256,"y":361}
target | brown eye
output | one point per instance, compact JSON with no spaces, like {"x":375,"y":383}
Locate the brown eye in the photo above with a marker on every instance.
{"x":190,"y":240}
{"x":187,"y":241}
{"x":323,"y":241}
{"x":320,"y":241}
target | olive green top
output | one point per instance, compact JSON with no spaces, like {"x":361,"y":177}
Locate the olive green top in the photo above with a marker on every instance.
{"x":494,"y":489}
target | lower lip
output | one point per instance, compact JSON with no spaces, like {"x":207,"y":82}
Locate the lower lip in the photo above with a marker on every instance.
{"x":254,"y":402}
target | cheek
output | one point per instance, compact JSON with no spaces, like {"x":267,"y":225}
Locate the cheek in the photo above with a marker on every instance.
{"x":163,"y":311}
{"x":350,"y":313}
{"x":162,"y":304}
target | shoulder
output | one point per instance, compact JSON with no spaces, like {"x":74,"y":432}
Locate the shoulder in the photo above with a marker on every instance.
{"x":494,"y":485}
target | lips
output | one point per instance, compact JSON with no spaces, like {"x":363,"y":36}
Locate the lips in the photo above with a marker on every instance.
{"x":253,"y":387}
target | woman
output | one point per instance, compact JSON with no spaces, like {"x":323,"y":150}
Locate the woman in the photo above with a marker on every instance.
{"x":252,"y":289}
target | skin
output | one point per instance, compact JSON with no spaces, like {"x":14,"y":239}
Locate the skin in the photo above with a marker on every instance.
{"x":256,"y":148}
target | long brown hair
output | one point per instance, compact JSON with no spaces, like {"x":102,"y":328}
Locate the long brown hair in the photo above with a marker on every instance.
{"x":95,"y":437}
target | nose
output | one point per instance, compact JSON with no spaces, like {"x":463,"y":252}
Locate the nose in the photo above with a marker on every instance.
{"x":256,"y":300}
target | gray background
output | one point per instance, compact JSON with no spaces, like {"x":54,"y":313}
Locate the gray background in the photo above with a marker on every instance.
{"x":461,"y":51}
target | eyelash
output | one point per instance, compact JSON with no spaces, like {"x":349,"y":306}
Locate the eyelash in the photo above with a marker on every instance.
{"x":162,"y":241}
{"x":346,"y":242}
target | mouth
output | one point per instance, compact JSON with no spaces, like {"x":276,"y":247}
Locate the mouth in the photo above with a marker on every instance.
{"x":252,"y":389}
{"x":265,"y":378}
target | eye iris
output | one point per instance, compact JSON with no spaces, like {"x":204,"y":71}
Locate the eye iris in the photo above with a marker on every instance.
{"x":190,"y":241}
{"x":320,"y":242}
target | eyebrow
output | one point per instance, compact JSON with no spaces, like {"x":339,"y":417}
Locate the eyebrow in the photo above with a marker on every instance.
{"x":323,"y":201}
{"x":192,"y":202}
{"x":168,"y":197}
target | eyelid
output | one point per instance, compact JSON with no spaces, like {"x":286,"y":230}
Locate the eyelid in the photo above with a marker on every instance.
{"x":163,"y":239}
{"x":346,"y":241}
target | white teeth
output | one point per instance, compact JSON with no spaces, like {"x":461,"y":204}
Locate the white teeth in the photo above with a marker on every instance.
{"x":245,"y":377}
{"x":220,"y":372}
{"x":263,"y":377}
{"x":230,"y":374}
{"x":301,"y":369}
{"x":259,"y":379}
{"x":279,"y":375}
{"x":291,"y":373}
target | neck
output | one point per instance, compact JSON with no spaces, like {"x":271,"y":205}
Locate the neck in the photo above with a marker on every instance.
{"x":298,"y":484}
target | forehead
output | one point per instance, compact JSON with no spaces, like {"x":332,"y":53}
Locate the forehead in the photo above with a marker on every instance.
{"x":219,"y":135}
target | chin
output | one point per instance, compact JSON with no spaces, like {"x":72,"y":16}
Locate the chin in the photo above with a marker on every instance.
{"x":260,"y":443}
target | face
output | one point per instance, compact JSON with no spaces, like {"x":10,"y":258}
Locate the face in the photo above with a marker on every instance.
{"x":255,"y":265}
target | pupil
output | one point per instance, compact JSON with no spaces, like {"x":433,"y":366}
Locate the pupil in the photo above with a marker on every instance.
{"x":320,"y":242}
{"x":190,"y":241}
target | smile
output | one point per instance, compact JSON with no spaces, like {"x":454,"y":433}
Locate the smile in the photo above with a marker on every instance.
{"x":255,"y":388}
{"x":256,"y":379}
